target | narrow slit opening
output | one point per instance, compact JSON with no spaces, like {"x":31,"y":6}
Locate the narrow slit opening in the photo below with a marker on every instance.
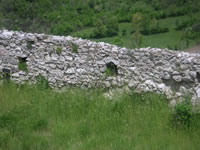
{"x":6,"y":74}
{"x":22,"y":65}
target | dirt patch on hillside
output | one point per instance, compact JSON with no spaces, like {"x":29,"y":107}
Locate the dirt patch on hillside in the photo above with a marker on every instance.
{"x":195,"y":49}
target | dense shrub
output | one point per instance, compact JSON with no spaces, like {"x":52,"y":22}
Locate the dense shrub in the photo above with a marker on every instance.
{"x":66,"y":16}
{"x":112,"y":27}
{"x":107,"y":28}
{"x":124,"y":32}
{"x":99,"y":30}
{"x":142,"y":7}
{"x":184,"y":24}
{"x":62,"y":29}
{"x":160,"y":14}
{"x":173,"y":11}
{"x":155,"y":30}
{"x":124,"y":17}
{"x":183,"y":113}
{"x":147,"y":25}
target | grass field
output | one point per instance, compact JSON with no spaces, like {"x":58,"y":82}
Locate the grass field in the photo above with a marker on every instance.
{"x":169,"y":40}
{"x":35,"y":119}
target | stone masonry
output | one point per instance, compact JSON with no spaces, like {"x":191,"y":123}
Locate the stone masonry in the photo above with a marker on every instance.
{"x":66,"y":61}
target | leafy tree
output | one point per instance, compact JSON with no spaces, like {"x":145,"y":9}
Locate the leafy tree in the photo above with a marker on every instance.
{"x":62,"y":29}
{"x":112,"y":27}
{"x":137,"y":21}
{"x":99,"y":30}
{"x":137,"y":26}
{"x":34,"y":15}
{"x":137,"y":39}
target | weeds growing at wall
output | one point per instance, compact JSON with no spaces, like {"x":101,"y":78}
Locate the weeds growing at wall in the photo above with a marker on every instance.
{"x":42,"y":83}
{"x":183,"y":114}
{"x":33,"y":118}
{"x":1,"y":76}
{"x":109,"y":72}
{"x":5,"y":74}
{"x":29,"y":44}
{"x":59,"y":50}
{"x":74,"y":48}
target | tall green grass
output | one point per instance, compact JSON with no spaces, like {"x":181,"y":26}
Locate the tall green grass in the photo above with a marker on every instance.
{"x":78,"y":119}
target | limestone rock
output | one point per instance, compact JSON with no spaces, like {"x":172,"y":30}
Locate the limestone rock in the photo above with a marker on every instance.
{"x":177,"y":78}
{"x":70,"y":71}
{"x":6,"y":35}
{"x":198,"y":92}
{"x":145,"y":69}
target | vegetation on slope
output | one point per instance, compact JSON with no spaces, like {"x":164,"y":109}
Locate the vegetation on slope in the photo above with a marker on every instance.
{"x":103,"y":20}
{"x":42,"y":119}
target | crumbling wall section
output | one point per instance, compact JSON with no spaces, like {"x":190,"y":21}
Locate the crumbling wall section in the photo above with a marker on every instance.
{"x":65,"y":61}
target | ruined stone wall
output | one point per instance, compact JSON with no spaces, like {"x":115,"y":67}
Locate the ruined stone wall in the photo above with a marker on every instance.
{"x":67,"y":61}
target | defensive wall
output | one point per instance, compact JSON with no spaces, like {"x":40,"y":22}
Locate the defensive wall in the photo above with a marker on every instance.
{"x":66,"y":61}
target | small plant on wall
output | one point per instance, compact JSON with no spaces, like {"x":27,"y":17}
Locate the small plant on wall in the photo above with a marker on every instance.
{"x":22,"y":64}
{"x":29,"y":44}
{"x":59,"y":50}
{"x":74,"y":47}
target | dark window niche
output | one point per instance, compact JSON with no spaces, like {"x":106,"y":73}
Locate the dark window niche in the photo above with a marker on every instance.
{"x":111,"y":69}
{"x":22,"y":64}
{"x":6,"y":74}
{"x":198,"y":76}
{"x":29,"y":44}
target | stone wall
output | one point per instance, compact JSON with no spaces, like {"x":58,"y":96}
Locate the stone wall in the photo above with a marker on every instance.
{"x":67,"y":61}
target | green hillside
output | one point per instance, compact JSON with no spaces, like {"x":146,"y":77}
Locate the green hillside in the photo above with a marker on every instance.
{"x":162,"y":23}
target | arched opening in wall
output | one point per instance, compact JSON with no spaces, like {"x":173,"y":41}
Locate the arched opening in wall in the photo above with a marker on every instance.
{"x":198,"y":76}
{"x":29,"y":44}
{"x":111,"y":69}
{"x":172,"y":84}
{"x":6,"y":74}
{"x":22,"y":64}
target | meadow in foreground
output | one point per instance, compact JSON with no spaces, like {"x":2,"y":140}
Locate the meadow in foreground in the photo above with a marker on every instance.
{"x":32,"y":118}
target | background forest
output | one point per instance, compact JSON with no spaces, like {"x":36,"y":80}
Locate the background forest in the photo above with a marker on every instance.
{"x":172,"y":24}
